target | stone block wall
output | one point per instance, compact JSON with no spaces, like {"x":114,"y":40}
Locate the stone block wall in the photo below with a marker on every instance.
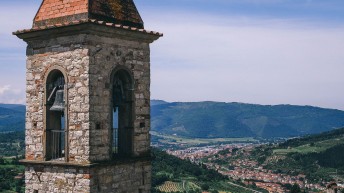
{"x":88,"y":69}
{"x":59,"y":179}
{"x":130,"y":177}
{"x":70,"y":57}
{"x":87,"y":61}
{"x":122,"y":178}
{"x":106,"y":55}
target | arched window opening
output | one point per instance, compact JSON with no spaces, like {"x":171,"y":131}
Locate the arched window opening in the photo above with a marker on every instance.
{"x":55,"y":117}
{"x":122,"y":127}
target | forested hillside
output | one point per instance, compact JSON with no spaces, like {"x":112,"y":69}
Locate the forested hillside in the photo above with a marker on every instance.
{"x":12,"y":117}
{"x":167,"y":172}
{"x":318,"y":156}
{"x":171,"y":174}
{"x":219,"y":120}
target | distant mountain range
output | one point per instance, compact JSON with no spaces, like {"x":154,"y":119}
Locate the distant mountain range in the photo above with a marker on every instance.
{"x":222,"y":120}
{"x":218,"y":119}
{"x":12,"y":117}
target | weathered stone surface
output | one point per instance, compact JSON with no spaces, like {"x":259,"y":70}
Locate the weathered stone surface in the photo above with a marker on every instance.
{"x":57,"y":179}
{"x":88,"y":61}
{"x":131,"y":177}
{"x":41,"y":64}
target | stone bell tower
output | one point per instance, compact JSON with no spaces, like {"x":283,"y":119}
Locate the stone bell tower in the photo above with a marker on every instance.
{"x":88,"y":98}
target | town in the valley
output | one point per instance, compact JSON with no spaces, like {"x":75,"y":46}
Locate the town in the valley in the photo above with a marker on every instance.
{"x":246,"y":170}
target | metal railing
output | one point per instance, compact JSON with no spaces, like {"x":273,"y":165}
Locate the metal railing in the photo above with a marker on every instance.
{"x":57,"y":144}
{"x":115,"y":141}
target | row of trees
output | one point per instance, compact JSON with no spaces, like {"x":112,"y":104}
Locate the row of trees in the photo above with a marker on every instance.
{"x":9,"y":168}
{"x":12,"y":144}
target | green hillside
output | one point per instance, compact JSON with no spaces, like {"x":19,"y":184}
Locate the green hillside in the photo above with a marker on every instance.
{"x":171,"y":174}
{"x":335,"y":135}
{"x":17,"y":107}
{"x":226,"y":120}
{"x":318,"y":156}
{"x":12,"y":117}
{"x":12,"y":143}
{"x":168,"y":172}
{"x":218,"y":120}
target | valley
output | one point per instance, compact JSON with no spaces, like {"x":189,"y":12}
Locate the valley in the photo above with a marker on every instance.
{"x":223,"y":158}
{"x":311,"y":162}
{"x":165,"y":141}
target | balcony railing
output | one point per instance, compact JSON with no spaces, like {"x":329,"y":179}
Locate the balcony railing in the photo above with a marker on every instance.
{"x":115,"y":141}
{"x":57,"y":145}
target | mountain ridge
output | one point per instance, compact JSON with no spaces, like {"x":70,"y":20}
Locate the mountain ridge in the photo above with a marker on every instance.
{"x":219,"y":119}
{"x":12,"y":117}
{"x":211,"y":119}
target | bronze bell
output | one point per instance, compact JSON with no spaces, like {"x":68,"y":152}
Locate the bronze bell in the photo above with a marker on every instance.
{"x":59,"y":102}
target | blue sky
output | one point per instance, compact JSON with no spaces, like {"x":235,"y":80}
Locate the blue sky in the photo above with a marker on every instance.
{"x":252,"y":51}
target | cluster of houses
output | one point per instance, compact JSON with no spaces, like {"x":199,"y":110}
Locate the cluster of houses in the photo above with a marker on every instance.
{"x":248,"y":170}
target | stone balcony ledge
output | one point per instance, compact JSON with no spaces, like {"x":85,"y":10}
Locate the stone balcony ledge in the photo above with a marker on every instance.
{"x":116,"y":161}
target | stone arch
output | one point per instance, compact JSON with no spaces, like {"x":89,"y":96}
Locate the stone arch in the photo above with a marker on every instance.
{"x":122,"y":108}
{"x":55,"y":119}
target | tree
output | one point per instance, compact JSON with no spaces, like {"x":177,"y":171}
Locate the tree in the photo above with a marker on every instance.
{"x":295,"y":189}
{"x":205,"y":187}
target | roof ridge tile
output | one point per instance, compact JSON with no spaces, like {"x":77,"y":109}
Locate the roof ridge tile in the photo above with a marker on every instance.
{"x":82,"y":21}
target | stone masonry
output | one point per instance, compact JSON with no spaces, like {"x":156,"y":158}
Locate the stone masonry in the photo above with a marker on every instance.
{"x":87,"y":53}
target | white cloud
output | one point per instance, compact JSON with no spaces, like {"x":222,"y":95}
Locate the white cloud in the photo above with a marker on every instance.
{"x":12,"y":50}
{"x":222,"y":58}
{"x":264,"y":61}
{"x":3,"y":89}
{"x":11,"y":95}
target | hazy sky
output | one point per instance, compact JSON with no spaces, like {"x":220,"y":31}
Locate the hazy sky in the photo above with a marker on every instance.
{"x":251,"y":51}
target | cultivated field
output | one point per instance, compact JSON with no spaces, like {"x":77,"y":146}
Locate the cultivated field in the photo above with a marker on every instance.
{"x":177,"y":140}
{"x":311,"y":148}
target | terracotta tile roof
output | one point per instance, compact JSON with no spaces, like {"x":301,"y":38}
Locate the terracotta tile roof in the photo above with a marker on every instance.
{"x":58,"y":8}
{"x":77,"y":22}
{"x":123,"y":12}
